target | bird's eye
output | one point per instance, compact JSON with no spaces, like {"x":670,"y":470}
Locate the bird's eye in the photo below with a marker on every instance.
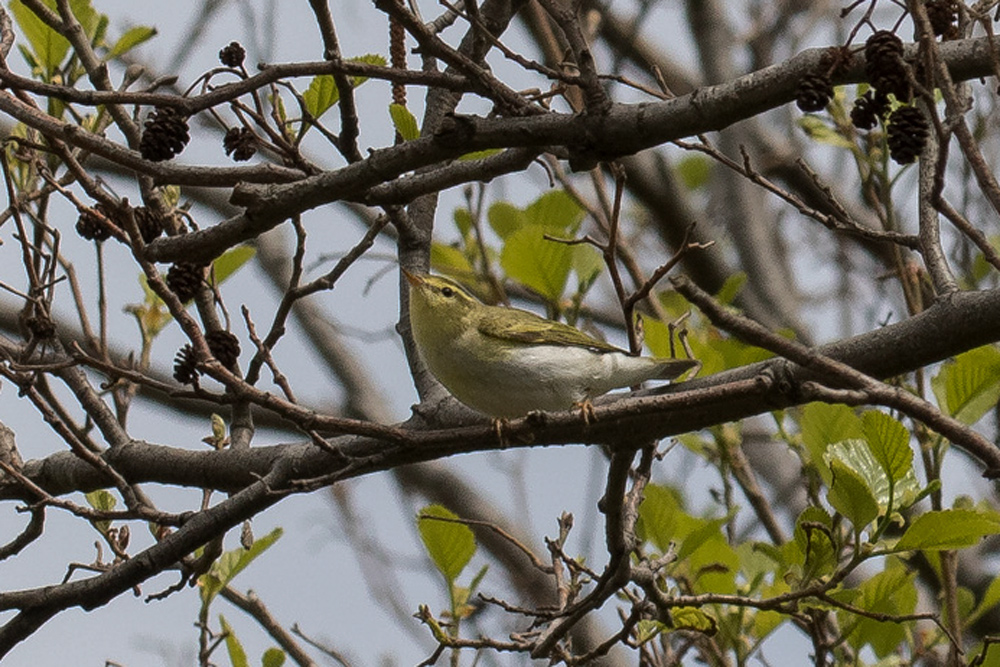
{"x":447,"y":291}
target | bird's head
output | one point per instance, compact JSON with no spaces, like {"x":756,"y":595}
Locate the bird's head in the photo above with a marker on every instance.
{"x":439,"y":303}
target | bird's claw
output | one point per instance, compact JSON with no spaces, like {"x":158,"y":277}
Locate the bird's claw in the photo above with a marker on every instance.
{"x":587,"y":411}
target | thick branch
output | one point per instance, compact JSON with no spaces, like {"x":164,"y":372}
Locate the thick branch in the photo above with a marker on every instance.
{"x":958,"y":323}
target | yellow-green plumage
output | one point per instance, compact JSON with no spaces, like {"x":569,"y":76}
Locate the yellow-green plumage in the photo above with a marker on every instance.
{"x":507,"y":362}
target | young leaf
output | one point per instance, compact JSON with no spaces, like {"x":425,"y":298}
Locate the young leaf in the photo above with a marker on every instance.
{"x":93,"y":22}
{"x":230,"y":261}
{"x":990,"y":599}
{"x":367,"y":59}
{"x":450,"y":545}
{"x":889,"y":442}
{"x":273,"y":657}
{"x":694,"y":171}
{"x":463,"y":222}
{"x":967,"y":387}
{"x":537,"y":263}
{"x":814,"y":544}
{"x":505,"y":218}
{"x":237,"y":654}
{"x":450,"y":260}
{"x":556,"y":211}
{"x":821,"y":425}
{"x":321,"y":94}
{"x":712,"y":567}
{"x":47,"y":47}
{"x":647,"y":629}
{"x":131,"y":39}
{"x":731,"y":288}
{"x":658,"y":514}
{"x":478,"y":579}
{"x":588,"y":263}
{"x":692,"y":618}
{"x":231,"y":563}
{"x":819,"y":131}
{"x":103,"y":501}
{"x":850,"y":495}
{"x":404,"y":121}
{"x":891,"y":591}
{"x":948,"y":529}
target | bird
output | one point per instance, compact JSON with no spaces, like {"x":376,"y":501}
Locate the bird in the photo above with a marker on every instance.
{"x":508,"y":362}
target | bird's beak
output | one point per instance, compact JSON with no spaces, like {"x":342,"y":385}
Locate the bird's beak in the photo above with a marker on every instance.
{"x":411,"y":278}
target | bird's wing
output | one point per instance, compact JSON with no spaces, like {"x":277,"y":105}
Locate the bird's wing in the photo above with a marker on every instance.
{"x":520,"y":326}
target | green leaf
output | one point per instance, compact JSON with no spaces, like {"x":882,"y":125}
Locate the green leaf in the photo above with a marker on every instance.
{"x":476,"y":580}
{"x":990,"y":599}
{"x":321,"y":94}
{"x":658,"y":514}
{"x":92,"y":21}
{"x":813,"y":544}
{"x":731,"y":288}
{"x":694,"y":170}
{"x":237,"y":655}
{"x":450,"y":545}
{"x":704,"y":558}
{"x":230,"y":261}
{"x":537,"y":263}
{"x":700,"y":536}
{"x":132,"y":38}
{"x":404,"y":121}
{"x":505,"y":218}
{"x":889,"y":442}
{"x":588,"y":263}
{"x":819,"y":131}
{"x":969,"y":386}
{"x":101,"y":30}
{"x":850,"y":495}
{"x":463,"y":222}
{"x":556,"y":211}
{"x":647,"y":629}
{"x":29,"y":57}
{"x":823,"y":424}
{"x":367,"y":59}
{"x":273,"y":657}
{"x":948,"y":529}
{"x":47,"y":47}
{"x":692,"y":618}
{"x":153,"y":314}
{"x":103,"y":501}
{"x":891,"y":591}
{"x":857,"y":455}
{"x":450,"y":260}
{"x":758,"y":560}
{"x":231,"y":563}
{"x":713,"y":565}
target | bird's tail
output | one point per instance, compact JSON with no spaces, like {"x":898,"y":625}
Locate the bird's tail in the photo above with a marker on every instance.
{"x":672,"y":368}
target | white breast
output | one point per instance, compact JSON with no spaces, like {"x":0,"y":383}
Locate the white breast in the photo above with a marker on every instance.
{"x":534,"y":377}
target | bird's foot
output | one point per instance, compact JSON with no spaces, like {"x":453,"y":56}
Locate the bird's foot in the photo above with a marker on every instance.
{"x":586,"y":411}
{"x":537,"y":418}
{"x":498,"y":427}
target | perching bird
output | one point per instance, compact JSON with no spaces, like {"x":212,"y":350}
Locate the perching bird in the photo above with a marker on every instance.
{"x":508,"y":362}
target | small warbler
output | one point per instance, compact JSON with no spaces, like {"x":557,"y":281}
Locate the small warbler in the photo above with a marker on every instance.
{"x":508,"y":362}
